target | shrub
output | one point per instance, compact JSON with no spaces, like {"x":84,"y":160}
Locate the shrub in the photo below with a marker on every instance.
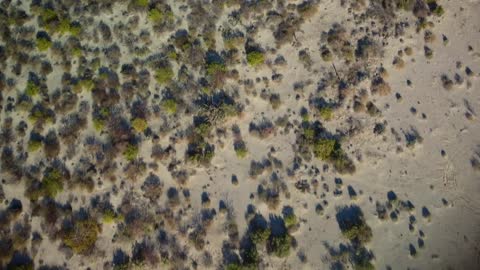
{"x":131,"y":152}
{"x":155,"y":15}
{"x":43,"y":43}
{"x":352,"y":224}
{"x":259,"y":235}
{"x":215,"y":68}
{"x":326,"y":54}
{"x":139,"y":124}
{"x":280,"y":245}
{"x":240,"y":149}
{"x":360,"y":232}
{"x":170,"y":106}
{"x":326,"y":113}
{"x":141,"y":3}
{"x":324,"y":148}
{"x":75,"y":29}
{"x":255,"y":58}
{"x":32,"y":89}
{"x":64,"y":26}
{"x":82,"y":237}
{"x":250,"y":257}
{"x":34,"y":145}
{"x":98,"y":124}
{"x":52,"y":183}
{"x":164,"y":75}
{"x":290,"y":220}
{"x":200,"y":152}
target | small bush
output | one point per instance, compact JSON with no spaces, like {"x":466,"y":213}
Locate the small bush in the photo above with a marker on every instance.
{"x":240,"y":149}
{"x":280,"y":245}
{"x":290,"y":220}
{"x":43,"y":43}
{"x":141,"y":3}
{"x":83,"y":236}
{"x":139,"y":125}
{"x":164,"y":75}
{"x":324,"y":148}
{"x":155,"y":15}
{"x":360,"y":232}
{"x":32,"y":89}
{"x":34,"y":145}
{"x":216,"y":68}
{"x":52,"y":183}
{"x":170,"y":106}
{"x":131,"y":152}
{"x":255,"y":58}
{"x":326,"y":113}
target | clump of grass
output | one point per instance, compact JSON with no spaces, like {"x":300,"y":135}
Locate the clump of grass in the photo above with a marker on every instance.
{"x":255,"y":58}
{"x":139,"y":124}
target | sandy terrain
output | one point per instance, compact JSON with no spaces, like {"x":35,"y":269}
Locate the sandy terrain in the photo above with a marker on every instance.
{"x":400,"y":190}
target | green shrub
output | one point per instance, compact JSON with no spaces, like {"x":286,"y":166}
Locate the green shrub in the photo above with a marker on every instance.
{"x":43,"y":44}
{"x":109,"y":216}
{"x":84,"y":84}
{"x":259,"y":235}
{"x":75,"y":29}
{"x":64,"y":26}
{"x":52,"y":183}
{"x":170,"y":106}
{"x":32,"y":89}
{"x":141,"y":3}
{"x":326,"y":113}
{"x":309,"y":133}
{"x":215,"y":68}
{"x":255,"y":58}
{"x":439,"y":11}
{"x":250,"y":257}
{"x":280,"y":245}
{"x":48,"y":15}
{"x":290,"y":220}
{"x":98,"y":124}
{"x":164,"y":75}
{"x":360,"y":232}
{"x":324,"y":148}
{"x":241,"y":150}
{"x":34,"y":145}
{"x":83,"y":236}
{"x":203,"y":129}
{"x":155,"y":15}
{"x":131,"y":152}
{"x":139,"y":125}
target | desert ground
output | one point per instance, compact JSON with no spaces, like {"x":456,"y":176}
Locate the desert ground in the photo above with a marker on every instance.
{"x":230,"y":134}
